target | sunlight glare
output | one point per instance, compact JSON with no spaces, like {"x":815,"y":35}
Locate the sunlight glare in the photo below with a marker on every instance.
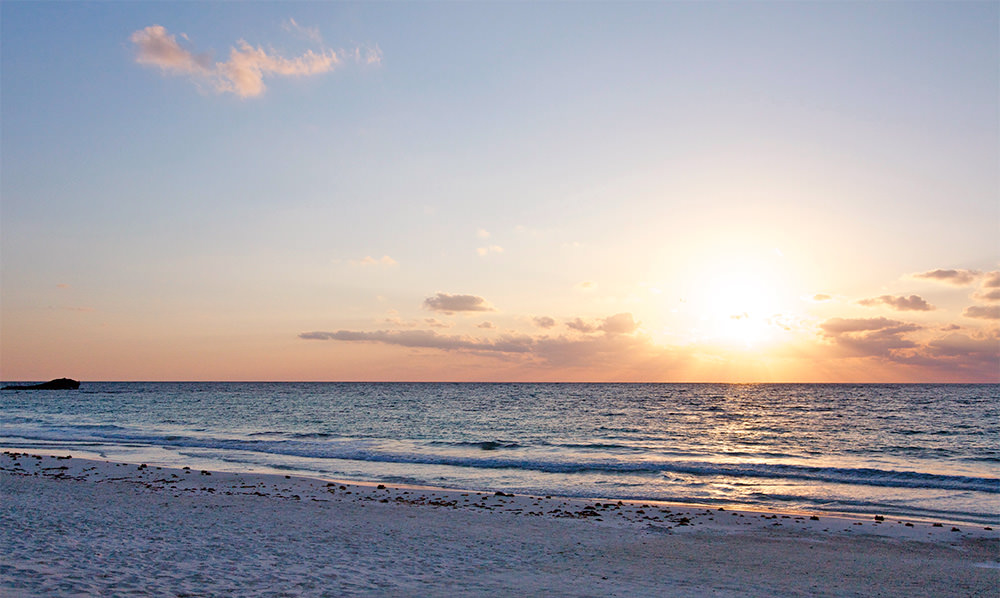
{"x":736,"y":304}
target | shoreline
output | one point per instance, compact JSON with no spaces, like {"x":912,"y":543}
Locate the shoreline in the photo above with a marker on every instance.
{"x":252,"y":517}
{"x":917,"y":520}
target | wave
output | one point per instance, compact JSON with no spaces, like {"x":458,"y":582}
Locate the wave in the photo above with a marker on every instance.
{"x":389,"y":452}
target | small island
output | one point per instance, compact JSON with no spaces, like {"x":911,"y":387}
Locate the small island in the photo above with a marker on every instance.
{"x":57,"y":384}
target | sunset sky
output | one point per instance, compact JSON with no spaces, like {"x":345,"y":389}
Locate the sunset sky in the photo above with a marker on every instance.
{"x":571,"y":191}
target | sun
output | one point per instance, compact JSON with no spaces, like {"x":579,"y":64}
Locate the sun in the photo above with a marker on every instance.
{"x":736,"y":305}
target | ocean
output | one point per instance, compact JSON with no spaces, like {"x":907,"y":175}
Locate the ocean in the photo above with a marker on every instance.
{"x":906,"y":450}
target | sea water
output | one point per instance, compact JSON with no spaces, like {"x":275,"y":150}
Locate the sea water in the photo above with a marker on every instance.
{"x":918,"y":451}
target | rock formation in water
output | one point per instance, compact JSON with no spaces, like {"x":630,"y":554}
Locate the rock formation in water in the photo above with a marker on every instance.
{"x":57,"y":384}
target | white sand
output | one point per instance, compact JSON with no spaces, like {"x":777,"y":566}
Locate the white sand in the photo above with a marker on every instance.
{"x":74,"y":527}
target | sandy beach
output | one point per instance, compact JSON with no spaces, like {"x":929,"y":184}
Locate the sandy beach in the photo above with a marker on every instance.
{"x":78,"y":527}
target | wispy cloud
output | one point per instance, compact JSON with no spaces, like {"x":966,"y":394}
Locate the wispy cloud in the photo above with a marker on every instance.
{"x":911,"y":303}
{"x":369,"y":55}
{"x":244,"y":72}
{"x":615,"y":347}
{"x":489,"y":249}
{"x":838,"y":326}
{"x":382,"y":261}
{"x":400,"y":322}
{"x":956,"y":277}
{"x":430,"y":340}
{"x":448,"y":303}
{"x":73,"y":308}
{"x":308,"y":33}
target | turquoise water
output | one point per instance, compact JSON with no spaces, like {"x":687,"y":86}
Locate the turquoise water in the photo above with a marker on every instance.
{"x":929,"y":451}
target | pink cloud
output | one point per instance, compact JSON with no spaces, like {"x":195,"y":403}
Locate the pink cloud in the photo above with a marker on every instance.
{"x":956,"y":277}
{"x":880,"y":337}
{"x":156,"y":47}
{"x":988,"y":295}
{"x":544,"y":322}
{"x":449,"y":304}
{"x":984,"y":312}
{"x":382,"y":261}
{"x":911,"y":303}
{"x":622,"y":323}
{"x":428,"y":339}
{"x":616,"y":345}
{"x":244,"y":73}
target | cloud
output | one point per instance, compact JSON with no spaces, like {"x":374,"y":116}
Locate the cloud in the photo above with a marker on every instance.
{"x":382,"y":261}
{"x":608,"y":351}
{"x":955,"y":355}
{"x":400,"y":323}
{"x":156,"y":47}
{"x":990,"y":290}
{"x":821,"y":297}
{"x":587,"y":285}
{"x":985,"y":312}
{"x":368,"y":56}
{"x":988,"y":295}
{"x":869,"y":336}
{"x":978,"y":356}
{"x":436,"y":323}
{"x":486,"y":325}
{"x":622,"y":323}
{"x":911,"y":303}
{"x":544,"y":322}
{"x":615,"y":348}
{"x":579,"y":324}
{"x":309,"y":33}
{"x":488,"y":250}
{"x":428,"y":339}
{"x":956,"y":277}
{"x":961,"y":345}
{"x":483,"y":233}
{"x":244,"y":73}
{"x":836,"y":326}
{"x":450,"y":304}
{"x":73,"y":308}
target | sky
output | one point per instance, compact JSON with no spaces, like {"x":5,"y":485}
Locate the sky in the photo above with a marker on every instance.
{"x":500,"y":191}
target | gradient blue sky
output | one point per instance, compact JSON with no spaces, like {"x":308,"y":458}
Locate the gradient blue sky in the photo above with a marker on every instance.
{"x":666,"y":191}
